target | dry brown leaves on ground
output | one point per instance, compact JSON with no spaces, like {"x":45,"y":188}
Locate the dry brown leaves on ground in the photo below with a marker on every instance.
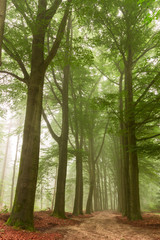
{"x":100,"y":225}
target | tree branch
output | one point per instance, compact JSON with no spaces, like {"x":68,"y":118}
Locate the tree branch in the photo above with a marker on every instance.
{"x":143,"y":53}
{"x":58,"y":39}
{"x":104,"y":135}
{"x":22,"y":12}
{"x":15,"y":76}
{"x":147,"y":88}
{"x":55,"y":80}
{"x":52,"y":90}
{"x":14,"y":55}
{"x":29,"y":10}
{"x":146,"y":138}
{"x":115,"y":40}
{"x":105,"y":75}
{"x":53,"y":134}
{"x":52,"y":10}
{"x":54,"y":119}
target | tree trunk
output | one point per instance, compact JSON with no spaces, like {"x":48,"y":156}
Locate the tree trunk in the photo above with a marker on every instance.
{"x":4,"y":167}
{"x":59,"y":209}
{"x":78,"y":202}
{"x":89,"y":207}
{"x":99,"y":195}
{"x":41,"y":195}
{"x":22,"y":212}
{"x":96,"y":196}
{"x":14,"y":171}
{"x":105,"y":186}
{"x":3,"y":4}
{"x":54,"y":190}
{"x":110,"y":193}
{"x":132,"y":148}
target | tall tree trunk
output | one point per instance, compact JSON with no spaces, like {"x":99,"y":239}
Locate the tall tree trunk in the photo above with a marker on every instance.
{"x":110,"y":192}
{"x":41,"y":195}
{"x":54,"y":190}
{"x":102,"y":186}
{"x":89,"y":207}
{"x":122,"y":204}
{"x":124,"y":154}
{"x":105,"y":185}
{"x":96,"y":196}
{"x":14,"y":172}
{"x":78,"y":202}
{"x":22,"y":211}
{"x":99,"y":195}
{"x":3,"y":4}
{"x":132,"y":148}
{"x":59,"y":209}
{"x":4,"y":167}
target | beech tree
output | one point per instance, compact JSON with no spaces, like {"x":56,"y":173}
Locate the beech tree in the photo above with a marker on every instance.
{"x":33,"y":76}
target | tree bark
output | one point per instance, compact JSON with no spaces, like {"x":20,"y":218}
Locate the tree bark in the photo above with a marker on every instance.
{"x":105,"y":185}
{"x":22,"y":211}
{"x":54,"y":190}
{"x":89,"y":206}
{"x":14,"y":171}
{"x":124,"y":155}
{"x":3,"y":4}
{"x":4,"y":168}
{"x":59,"y":209}
{"x":78,"y":202}
{"x":110,"y":192}
{"x":132,"y":148}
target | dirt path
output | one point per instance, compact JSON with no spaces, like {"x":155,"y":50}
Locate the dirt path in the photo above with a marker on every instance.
{"x":104,"y":225}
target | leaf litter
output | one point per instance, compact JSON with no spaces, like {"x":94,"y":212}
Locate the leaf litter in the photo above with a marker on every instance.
{"x":105,"y":225}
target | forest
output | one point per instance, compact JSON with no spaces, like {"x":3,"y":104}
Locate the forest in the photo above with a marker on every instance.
{"x":79,"y":113}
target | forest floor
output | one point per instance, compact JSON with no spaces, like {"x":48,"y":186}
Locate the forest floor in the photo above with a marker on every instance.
{"x":98,"y":226}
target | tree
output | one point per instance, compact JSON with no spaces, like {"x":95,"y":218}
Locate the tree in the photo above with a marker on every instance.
{"x":62,"y":140}
{"x":22,"y":211}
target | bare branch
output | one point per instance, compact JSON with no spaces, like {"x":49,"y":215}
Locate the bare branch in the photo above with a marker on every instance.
{"x":53,"y":134}
{"x":29,"y":10}
{"x":105,"y":75}
{"x":15,"y":76}
{"x":101,"y":147}
{"x":147,"y":88}
{"x":146,"y":138}
{"x":14,"y":55}
{"x":54,"y":94}
{"x":144,"y":52}
{"x":23,"y":13}
{"x":54,"y":118}
{"x":59,"y":37}
{"x":55,"y":80}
